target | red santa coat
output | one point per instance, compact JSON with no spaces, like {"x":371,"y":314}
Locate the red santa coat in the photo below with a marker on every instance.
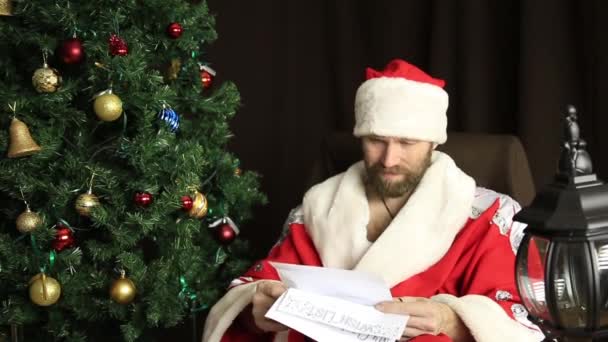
{"x":451,"y":242}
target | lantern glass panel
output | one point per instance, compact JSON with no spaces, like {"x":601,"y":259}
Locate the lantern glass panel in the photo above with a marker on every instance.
{"x":570,"y":281}
{"x":531,"y":275}
{"x":601,"y":248}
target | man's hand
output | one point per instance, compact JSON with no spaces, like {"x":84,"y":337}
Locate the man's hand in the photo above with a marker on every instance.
{"x":427,"y":317}
{"x":265,"y":295}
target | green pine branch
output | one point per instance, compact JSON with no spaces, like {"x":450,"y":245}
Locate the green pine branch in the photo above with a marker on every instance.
{"x":174,"y":260}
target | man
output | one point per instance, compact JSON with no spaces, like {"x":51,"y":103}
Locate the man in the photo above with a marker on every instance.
{"x":406,"y":213}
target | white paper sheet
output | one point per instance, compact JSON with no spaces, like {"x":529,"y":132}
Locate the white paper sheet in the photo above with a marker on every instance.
{"x":355,"y":286}
{"x":330,"y":305}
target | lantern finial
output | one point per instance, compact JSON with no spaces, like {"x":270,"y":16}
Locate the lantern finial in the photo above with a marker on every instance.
{"x":574,"y":160}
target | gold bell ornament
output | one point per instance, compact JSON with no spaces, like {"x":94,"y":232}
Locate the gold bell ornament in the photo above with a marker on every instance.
{"x":6,"y":7}
{"x":87,"y":201}
{"x":44,"y":290}
{"x":123,"y":290}
{"x":107,"y":106}
{"x":21,"y":142}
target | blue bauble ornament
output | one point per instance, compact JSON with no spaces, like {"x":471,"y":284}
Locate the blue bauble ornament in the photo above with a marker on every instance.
{"x":170,"y":117}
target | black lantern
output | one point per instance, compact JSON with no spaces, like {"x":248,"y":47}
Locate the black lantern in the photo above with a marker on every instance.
{"x":562,"y":261}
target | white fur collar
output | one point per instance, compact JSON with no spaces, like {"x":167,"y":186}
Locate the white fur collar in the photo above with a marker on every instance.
{"x":336,"y":214}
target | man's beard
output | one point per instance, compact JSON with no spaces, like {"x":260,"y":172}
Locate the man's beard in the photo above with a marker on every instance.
{"x":397,"y":188}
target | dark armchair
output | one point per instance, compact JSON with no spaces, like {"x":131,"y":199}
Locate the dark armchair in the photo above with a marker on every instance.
{"x":497,"y":162}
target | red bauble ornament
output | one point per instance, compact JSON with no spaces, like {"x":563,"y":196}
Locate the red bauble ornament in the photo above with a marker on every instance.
{"x":207,"y":75}
{"x":175,"y":30}
{"x":118,"y":46}
{"x":64,"y":238}
{"x":143,"y":199}
{"x":71,"y":51}
{"x":186,"y":203}
{"x":225,"y":233}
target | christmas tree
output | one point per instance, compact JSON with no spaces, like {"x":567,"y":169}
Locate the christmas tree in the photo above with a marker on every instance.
{"x":120,"y":203}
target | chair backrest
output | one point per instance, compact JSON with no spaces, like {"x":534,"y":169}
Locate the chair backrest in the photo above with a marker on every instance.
{"x":497,"y":162}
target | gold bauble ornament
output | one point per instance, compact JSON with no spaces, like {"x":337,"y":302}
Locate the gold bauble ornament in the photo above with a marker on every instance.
{"x":107,"y":106}
{"x":44,"y":290}
{"x":123,"y":290}
{"x":46,"y":80}
{"x":86,"y":202}
{"x":6,"y":7}
{"x":199,"y":206}
{"x":28,"y":220}
{"x":21,"y":143}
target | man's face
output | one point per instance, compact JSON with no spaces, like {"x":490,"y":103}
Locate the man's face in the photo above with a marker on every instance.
{"x":395,"y":166}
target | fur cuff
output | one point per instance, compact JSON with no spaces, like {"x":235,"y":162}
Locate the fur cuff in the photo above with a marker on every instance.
{"x":486,"y":320}
{"x":226,"y":310}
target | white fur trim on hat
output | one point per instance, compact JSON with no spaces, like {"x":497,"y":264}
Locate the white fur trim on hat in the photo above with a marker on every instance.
{"x":398,"y":107}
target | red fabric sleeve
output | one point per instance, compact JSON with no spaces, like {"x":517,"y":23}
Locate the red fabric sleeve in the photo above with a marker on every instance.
{"x":492,"y":269}
{"x":491,"y":272}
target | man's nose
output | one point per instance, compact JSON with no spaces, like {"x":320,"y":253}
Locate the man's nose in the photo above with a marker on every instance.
{"x":391,"y":155}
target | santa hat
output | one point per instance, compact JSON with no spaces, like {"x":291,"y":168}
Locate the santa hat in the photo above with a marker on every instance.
{"x":401,"y":101}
